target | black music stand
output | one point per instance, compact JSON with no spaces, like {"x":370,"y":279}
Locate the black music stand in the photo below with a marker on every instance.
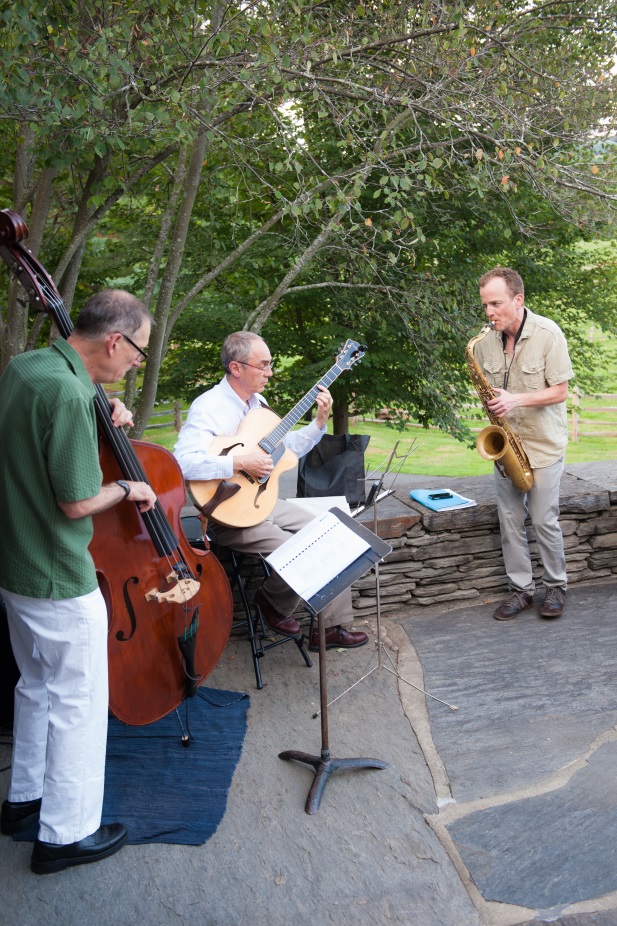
{"x":324,"y":764}
{"x":391,"y":467}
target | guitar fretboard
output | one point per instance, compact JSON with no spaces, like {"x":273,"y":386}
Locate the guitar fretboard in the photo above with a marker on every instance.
{"x":271,"y":440}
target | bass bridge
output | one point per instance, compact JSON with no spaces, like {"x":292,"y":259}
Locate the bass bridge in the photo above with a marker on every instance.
{"x":184,"y":587}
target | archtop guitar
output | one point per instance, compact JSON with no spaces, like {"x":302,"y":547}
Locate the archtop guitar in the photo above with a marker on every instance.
{"x":242,"y":500}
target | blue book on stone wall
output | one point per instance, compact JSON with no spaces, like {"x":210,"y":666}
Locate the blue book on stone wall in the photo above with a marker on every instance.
{"x":441,"y":499}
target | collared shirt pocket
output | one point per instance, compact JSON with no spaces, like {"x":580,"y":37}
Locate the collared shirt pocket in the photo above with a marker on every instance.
{"x":494,"y":371}
{"x":533,"y":374}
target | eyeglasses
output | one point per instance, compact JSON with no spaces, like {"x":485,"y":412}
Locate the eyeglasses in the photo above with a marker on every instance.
{"x":139,"y":350}
{"x":266,"y":365}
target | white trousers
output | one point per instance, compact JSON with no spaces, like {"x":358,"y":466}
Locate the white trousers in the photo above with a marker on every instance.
{"x":542,"y":505}
{"x":61,"y":705}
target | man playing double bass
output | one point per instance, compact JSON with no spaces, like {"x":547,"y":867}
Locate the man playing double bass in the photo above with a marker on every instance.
{"x":50,"y":488}
{"x":247,"y":363}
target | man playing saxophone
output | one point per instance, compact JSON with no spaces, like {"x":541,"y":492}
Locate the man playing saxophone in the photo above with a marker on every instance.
{"x":525,"y":359}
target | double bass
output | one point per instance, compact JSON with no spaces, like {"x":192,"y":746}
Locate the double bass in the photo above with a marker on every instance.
{"x":169,"y":605}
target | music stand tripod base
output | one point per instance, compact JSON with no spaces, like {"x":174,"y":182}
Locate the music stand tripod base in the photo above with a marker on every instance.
{"x":324,"y":765}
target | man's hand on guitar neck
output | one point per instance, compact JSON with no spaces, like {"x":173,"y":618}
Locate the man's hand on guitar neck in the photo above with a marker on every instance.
{"x":257,"y":464}
{"x":324,"y":406}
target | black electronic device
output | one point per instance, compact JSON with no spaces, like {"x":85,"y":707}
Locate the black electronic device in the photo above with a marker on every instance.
{"x":437,"y":496}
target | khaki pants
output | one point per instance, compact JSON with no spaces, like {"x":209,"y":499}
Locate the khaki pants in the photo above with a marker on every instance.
{"x":542,"y":505}
{"x":262,"y":539}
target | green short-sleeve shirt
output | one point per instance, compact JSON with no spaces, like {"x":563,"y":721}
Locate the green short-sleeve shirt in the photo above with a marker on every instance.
{"x":48,"y":454}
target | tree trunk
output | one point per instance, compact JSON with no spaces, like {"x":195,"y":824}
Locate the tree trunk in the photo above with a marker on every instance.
{"x":130,"y":382}
{"x":165,"y":227}
{"x":68,"y":282}
{"x":160,"y":332}
{"x":14,"y":326}
{"x":260,"y":315}
{"x":340,"y":418}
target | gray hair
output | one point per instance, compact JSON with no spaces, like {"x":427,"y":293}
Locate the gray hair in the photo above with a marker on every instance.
{"x":108,"y":311}
{"x":238,"y":346}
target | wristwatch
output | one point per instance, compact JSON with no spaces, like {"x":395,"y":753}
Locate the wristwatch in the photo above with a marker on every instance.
{"x":125,"y":486}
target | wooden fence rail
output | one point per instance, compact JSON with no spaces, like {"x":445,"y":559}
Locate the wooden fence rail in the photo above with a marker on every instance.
{"x":576,"y":419}
{"x":575,"y":431}
{"x":176,"y":411}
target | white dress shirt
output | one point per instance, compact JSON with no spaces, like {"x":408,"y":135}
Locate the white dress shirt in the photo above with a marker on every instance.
{"x":220,"y":411}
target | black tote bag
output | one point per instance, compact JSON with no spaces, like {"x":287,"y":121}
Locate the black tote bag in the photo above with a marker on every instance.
{"x":334,"y":467}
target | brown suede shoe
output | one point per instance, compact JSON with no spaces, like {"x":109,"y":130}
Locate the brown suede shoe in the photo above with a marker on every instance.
{"x":282,"y":623}
{"x":553,"y":604}
{"x":338,"y":637}
{"x":513,"y":605}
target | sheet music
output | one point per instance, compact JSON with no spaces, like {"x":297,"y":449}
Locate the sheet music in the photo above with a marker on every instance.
{"x":316,"y":554}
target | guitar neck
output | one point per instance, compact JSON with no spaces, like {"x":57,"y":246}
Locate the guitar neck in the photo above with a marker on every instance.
{"x":271,"y":440}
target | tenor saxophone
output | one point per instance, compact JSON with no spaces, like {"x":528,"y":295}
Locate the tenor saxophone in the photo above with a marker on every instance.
{"x":497,"y":442}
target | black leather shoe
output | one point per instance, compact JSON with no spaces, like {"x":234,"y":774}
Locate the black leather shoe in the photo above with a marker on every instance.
{"x":282,"y":623}
{"x":553,"y":604}
{"x":338,"y":637}
{"x":18,"y":815}
{"x":513,"y":605}
{"x":48,"y":857}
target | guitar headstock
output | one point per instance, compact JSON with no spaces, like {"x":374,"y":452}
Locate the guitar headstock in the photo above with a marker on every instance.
{"x":350,"y":353}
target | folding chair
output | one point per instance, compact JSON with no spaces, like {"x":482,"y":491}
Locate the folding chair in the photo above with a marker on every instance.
{"x":246,"y":573}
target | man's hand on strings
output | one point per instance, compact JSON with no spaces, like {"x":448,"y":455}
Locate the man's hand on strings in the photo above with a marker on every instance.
{"x":257,"y":464}
{"x":120,"y":414}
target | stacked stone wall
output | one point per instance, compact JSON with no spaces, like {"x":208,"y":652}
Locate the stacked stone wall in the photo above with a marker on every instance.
{"x":456,"y":557}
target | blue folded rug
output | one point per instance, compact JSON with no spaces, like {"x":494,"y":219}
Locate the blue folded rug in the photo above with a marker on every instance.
{"x":163,"y":791}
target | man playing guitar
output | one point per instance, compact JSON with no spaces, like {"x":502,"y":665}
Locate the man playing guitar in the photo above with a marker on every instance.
{"x":248,"y":366}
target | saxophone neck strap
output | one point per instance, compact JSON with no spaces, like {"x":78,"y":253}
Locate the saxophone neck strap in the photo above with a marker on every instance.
{"x":516,"y":337}
{"x":504,"y":336}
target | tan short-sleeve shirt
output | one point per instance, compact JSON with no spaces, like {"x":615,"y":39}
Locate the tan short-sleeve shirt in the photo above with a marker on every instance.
{"x":540,"y":360}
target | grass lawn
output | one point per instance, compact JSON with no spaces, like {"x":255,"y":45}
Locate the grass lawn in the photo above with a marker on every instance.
{"x":438,"y":454}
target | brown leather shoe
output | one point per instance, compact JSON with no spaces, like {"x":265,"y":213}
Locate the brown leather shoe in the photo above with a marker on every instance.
{"x":554,"y":601}
{"x":513,"y":605}
{"x":336,"y":637}
{"x":282,"y":623}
